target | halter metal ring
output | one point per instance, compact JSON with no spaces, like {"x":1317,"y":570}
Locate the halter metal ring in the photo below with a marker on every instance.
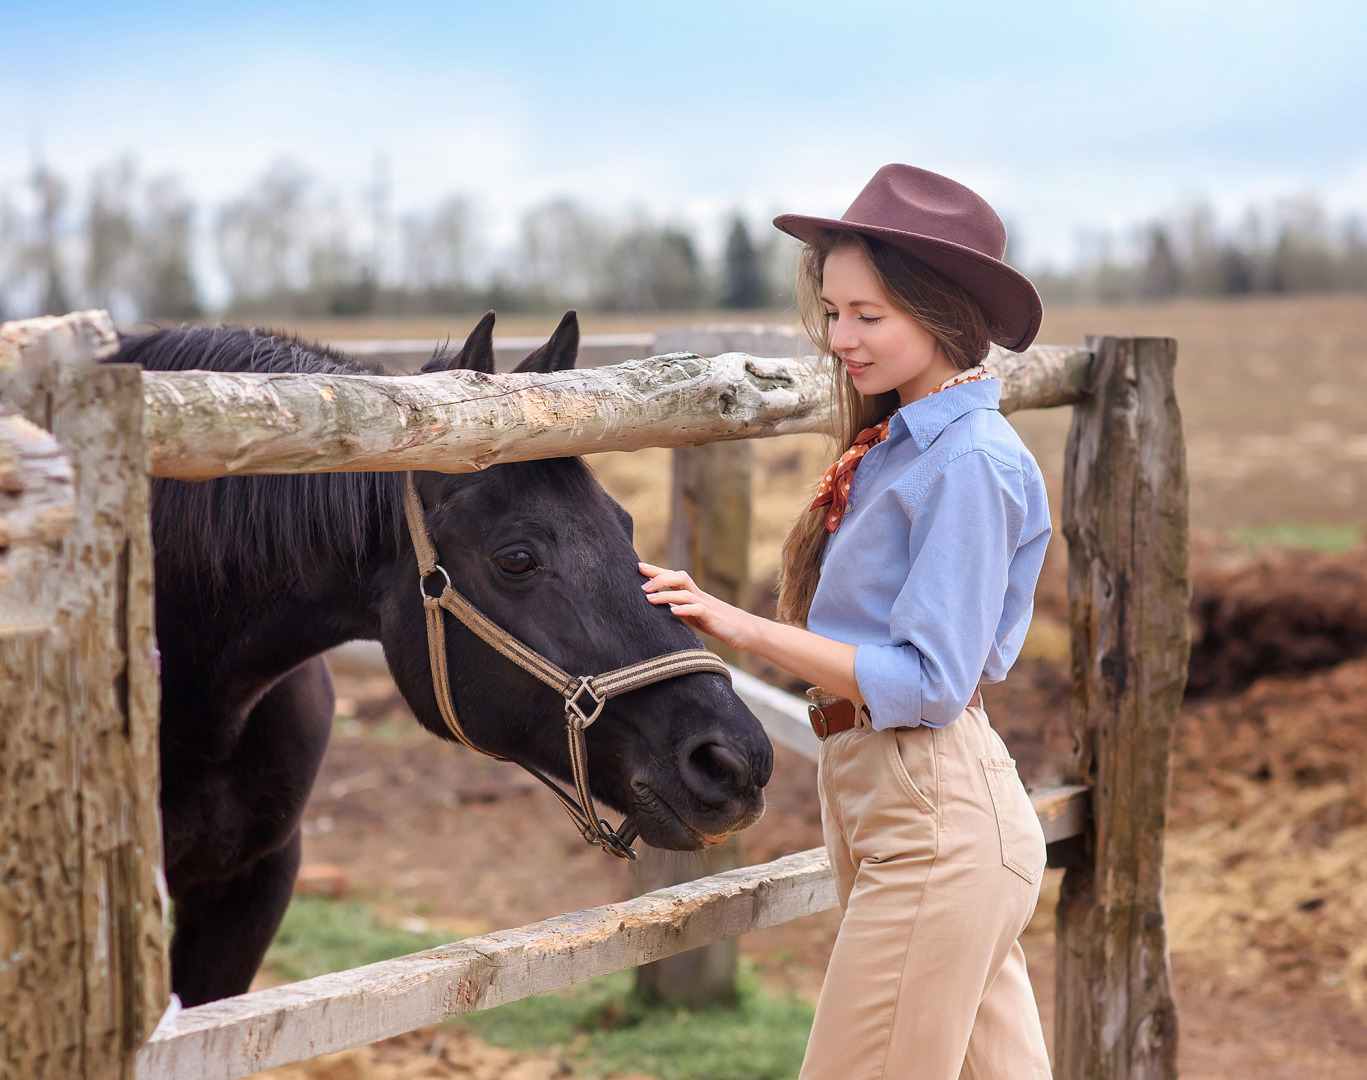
{"x":423,"y":575}
{"x":574,"y":712}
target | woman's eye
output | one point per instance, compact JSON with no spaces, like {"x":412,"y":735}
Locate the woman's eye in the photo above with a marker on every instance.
{"x":870,"y":319}
{"x":516,"y":562}
{"x":832,"y":314}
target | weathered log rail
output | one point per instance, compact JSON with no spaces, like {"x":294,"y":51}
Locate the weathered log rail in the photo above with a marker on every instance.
{"x":200,"y":424}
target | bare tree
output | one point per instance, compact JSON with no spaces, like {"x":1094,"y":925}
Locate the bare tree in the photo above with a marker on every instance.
{"x":165,"y":241}
{"x":262,"y":240}
{"x":778,"y":257}
{"x":1353,"y":274}
{"x":11,"y":252}
{"x":652,"y":269}
{"x":45,"y":251}
{"x":1302,"y":260}
{"x":1200,"y":271}
{"x":561,"y":259}
{"x":438,"y":250}
{"x":110,"y":236}
{"x":340,"y":278}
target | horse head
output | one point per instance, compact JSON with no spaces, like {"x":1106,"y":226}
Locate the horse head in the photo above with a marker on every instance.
{"x":541,"y":549}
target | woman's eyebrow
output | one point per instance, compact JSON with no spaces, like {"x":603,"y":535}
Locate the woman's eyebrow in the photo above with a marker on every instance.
{"x":855,"y":303}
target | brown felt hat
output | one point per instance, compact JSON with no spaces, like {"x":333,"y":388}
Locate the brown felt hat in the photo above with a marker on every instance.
{"x":949,"y":228}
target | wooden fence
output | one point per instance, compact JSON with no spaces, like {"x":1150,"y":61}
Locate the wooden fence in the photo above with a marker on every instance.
{"x":83,"y":976}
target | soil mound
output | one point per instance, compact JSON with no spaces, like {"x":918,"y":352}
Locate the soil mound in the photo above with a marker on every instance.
{"x":1274,"y":613}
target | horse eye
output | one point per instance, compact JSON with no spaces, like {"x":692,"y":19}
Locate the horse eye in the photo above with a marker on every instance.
{"x":516,"y":562}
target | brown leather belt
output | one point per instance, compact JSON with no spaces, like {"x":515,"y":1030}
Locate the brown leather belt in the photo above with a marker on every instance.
{"x":830,"y":715}
{"x":837,"y":715}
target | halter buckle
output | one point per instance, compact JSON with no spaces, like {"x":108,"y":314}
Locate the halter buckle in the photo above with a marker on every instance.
{"x":422,"y":580}
{"x":574,"y":712}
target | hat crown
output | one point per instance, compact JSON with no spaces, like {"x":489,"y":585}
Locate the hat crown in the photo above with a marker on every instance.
{"x":912,"y":200}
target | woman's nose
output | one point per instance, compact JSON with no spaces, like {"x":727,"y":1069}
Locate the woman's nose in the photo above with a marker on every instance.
{"x":842,"y":335}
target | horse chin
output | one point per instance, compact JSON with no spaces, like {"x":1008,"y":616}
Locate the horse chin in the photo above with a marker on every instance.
{"x":662,"y":826}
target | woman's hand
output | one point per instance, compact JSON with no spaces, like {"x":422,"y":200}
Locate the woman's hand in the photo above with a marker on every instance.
{"x":809,"y":656}
{"x":701,"y":611}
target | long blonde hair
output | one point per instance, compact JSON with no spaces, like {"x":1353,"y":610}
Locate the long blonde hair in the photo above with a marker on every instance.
{"x":947,"y":312}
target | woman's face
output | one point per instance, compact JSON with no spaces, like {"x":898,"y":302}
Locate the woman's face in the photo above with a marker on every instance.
{"x":882,"y":347}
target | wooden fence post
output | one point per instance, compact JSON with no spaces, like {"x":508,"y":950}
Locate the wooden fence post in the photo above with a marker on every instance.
{"x":1125,"y":518}
{"x":82,"y":963}
{"x":709,"y":536}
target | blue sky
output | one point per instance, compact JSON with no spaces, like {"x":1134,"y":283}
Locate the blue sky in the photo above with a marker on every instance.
{"x":1068,"y":116}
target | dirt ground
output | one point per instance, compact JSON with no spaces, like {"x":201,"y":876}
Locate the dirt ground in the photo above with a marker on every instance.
{"x":1267,"y":854}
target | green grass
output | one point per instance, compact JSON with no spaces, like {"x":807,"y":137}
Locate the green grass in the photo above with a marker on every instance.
{"x":607,"y":1029}
{"x":1327,"y":539}
{"x":321,"y":935}
{"x":603,"y":1025}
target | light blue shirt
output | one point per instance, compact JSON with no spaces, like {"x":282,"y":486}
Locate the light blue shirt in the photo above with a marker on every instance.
{"x":932,"y":572}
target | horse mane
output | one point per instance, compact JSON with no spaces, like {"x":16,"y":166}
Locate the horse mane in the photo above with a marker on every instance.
{"x":262,"y":531}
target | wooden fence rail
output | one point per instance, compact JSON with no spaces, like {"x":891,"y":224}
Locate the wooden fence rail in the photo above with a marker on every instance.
{"x":200,"y":424}
{"x":241,"y":1035}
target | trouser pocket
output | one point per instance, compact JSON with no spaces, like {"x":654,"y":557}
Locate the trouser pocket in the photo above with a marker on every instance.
{"x":1022,"y":839}
{"x":912,"y":755}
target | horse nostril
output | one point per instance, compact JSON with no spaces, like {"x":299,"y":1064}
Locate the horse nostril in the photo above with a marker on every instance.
{"x":712,"y":769}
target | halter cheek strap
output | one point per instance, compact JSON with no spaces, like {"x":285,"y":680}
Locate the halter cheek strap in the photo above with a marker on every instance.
{"x":585,"y":695}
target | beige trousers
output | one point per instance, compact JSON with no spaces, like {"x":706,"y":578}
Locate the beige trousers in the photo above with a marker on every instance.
{"x":937,"y":856}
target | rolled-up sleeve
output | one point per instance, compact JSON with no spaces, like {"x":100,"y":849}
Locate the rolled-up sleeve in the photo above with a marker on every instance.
{"x":965,"y":526}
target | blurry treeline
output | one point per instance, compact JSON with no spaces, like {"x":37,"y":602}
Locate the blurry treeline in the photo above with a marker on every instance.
{"x":1293,"y":246}
{"x":288,"y":247}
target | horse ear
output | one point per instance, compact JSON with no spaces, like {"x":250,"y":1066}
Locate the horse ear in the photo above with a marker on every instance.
{"x":477,"y":354}
{"x":561,"y":349}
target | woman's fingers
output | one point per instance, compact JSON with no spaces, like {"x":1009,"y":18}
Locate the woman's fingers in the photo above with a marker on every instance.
{"x":674,"y":596}
{"x":677,"y":589}
{"x":666,"y":579}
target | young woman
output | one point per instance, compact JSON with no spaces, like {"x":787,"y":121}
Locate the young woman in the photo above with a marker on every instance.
{"x":908,"y":583}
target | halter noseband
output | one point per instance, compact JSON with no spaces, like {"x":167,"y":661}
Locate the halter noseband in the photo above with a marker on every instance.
{"x":585,"y":695}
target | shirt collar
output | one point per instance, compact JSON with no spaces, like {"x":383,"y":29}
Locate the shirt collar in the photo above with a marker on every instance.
{"x":925,"y":418}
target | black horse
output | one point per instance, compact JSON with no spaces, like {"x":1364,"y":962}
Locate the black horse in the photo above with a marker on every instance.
{"x":256,"y":576}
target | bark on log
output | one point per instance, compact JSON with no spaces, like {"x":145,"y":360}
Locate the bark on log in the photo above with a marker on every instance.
{"x":202,"y":424}
{"x":1041,"y":377}
{"x":83,"y":979}
{"x":37,"y":508}
{"x":1125,"y":517}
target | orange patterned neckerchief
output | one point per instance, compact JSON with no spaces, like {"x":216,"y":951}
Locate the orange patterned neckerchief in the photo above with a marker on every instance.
{"x":835,"y":485}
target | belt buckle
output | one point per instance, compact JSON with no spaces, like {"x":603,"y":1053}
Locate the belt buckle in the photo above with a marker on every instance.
{"x":818,"y":717}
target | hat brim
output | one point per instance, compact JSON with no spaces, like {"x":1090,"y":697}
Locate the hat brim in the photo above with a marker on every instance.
{"x":1006,"y":294}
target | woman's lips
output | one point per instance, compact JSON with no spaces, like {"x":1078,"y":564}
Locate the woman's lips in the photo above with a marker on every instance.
{"x":856,"y":368}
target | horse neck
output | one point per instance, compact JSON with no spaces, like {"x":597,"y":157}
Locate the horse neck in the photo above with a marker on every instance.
{"x":266,"y":605}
